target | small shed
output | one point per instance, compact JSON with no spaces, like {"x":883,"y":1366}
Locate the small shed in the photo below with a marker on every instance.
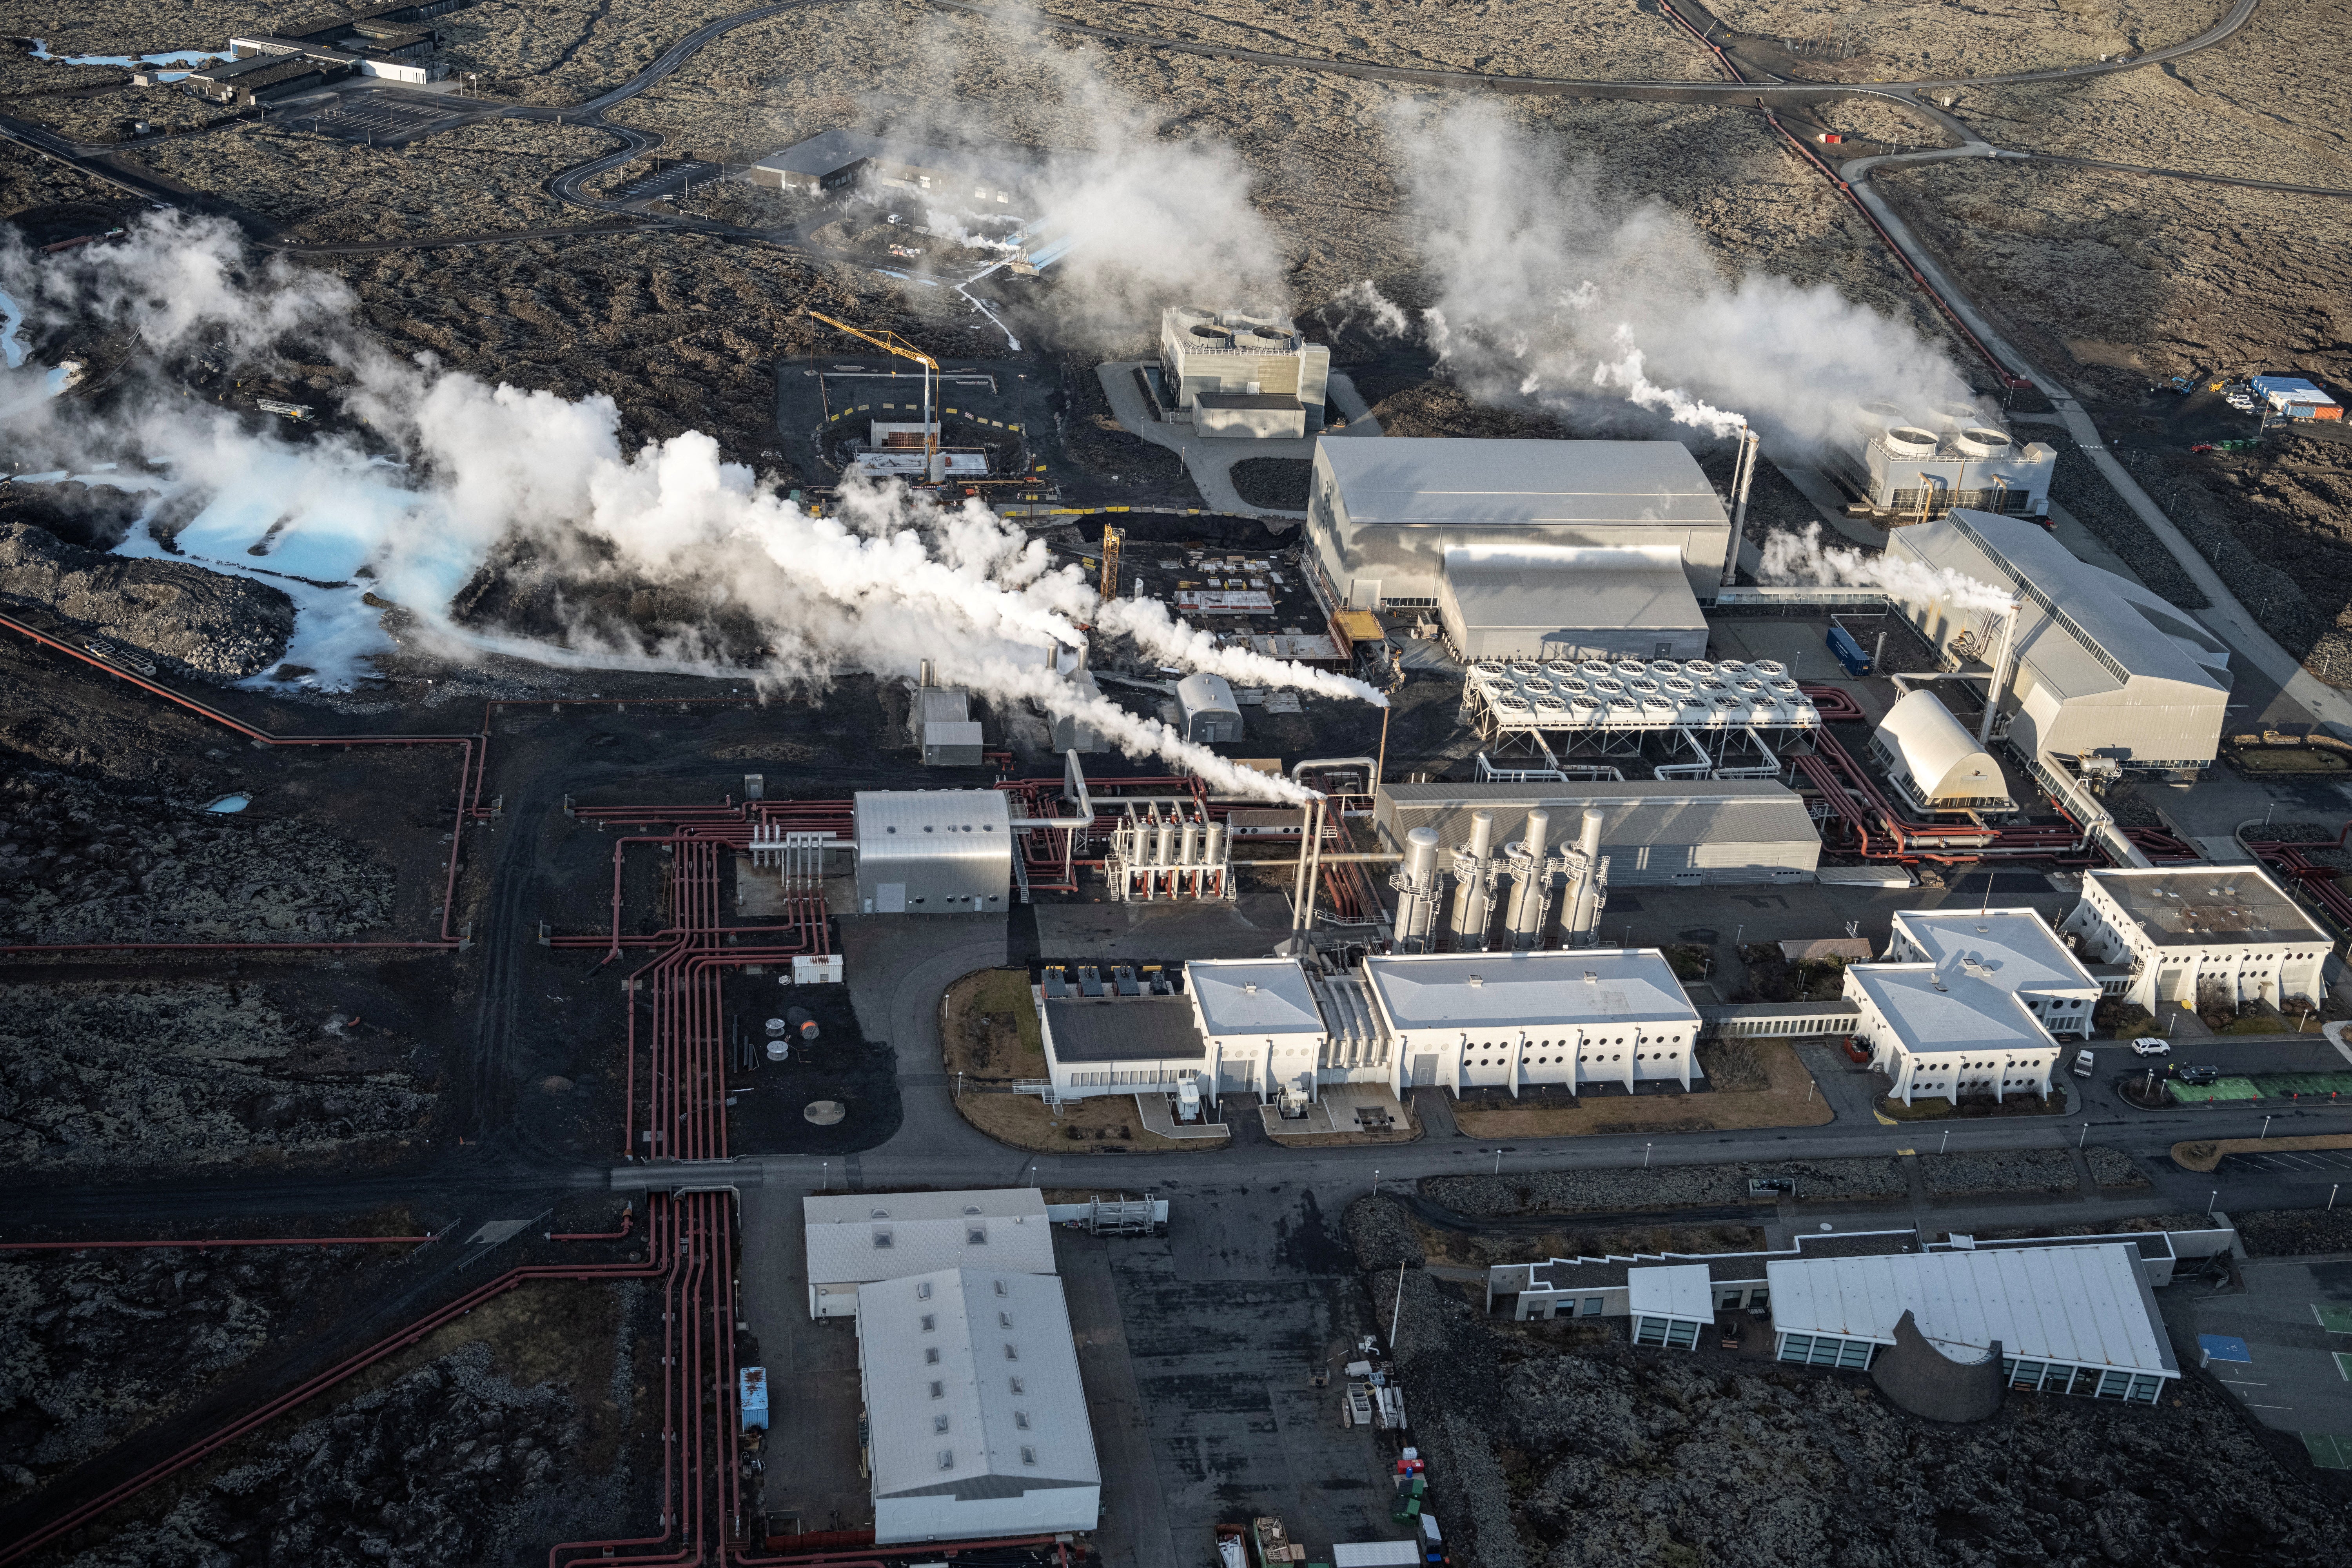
{"x":1210,"y":714}
{"x":1934,"y":763}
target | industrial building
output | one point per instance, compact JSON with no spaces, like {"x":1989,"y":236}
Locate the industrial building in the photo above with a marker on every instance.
{"x":856,"y":1239}
{"x":941,"y":852}
{"x":2014,"y":949}
{"x":1678,"y":834}
{"x":2066,"y":1314}
{"x":258,"y":79}
{"x":1269,"y":1027}
{"x":1949,"y":1029}
{"x":1913,"y":469}
{"x":395,"y":42}
{"x":1210,"y":713}
{"x":2292,"y":398}
{"x":839,"y":160}
{"x":2227,"y":929}
{"x":941,"y":725}
{"x":1383,"y":516}
{"x":1244,"y":373}
{"x":1499,"y":601}
{"x":2087,"y":665}
{"x":1515,"y":1020}
{"x":975,"y":1420}
{"x":1932,"y":762}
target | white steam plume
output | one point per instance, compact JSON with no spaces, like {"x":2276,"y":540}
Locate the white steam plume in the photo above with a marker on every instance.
{"x":1150,"y":624}
{"x":889,"y":579}
{"x":1547,"y":286}
{"x":1802,"y":558}
{"x":1364,"y":307}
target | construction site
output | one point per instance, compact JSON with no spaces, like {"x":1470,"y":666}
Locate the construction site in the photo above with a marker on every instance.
{"x":1292,"y":695}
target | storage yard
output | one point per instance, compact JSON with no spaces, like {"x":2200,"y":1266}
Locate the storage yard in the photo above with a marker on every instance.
{"x":1541,"y":739}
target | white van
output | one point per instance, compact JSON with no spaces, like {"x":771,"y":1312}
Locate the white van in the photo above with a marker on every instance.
{"x":2083,"y":1064}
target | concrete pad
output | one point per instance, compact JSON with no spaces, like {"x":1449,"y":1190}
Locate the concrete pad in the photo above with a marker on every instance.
{"x":1208,"y":458}
{"x":1152,"y":1109}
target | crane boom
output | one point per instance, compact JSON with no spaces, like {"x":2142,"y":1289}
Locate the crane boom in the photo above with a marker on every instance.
{"x":892,"y":343}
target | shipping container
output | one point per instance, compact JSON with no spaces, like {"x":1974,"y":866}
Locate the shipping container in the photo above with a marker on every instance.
{"x":1376,"y":1555}
{"x":751,"y":1387}
{"x":1848,"y":651}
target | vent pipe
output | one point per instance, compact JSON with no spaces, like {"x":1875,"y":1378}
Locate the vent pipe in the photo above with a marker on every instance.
{"x":1743,"y":476}
{"x":1474,"y":885}
{"x":2000,"y":674}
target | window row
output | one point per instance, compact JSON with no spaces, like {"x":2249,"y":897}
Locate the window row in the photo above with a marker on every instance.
{"x":1826,"y":1350}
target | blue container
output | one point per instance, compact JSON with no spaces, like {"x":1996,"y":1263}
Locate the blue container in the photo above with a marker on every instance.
{"x":751,"y":1392}
{"x":1848,"y":651}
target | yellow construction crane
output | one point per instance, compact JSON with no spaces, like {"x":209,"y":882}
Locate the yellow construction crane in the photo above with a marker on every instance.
{"x":890,"y":343}
{"x":1111,"y":537}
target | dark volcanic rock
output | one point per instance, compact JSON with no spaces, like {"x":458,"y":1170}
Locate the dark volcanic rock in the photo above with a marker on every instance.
{"x":221,"y":627}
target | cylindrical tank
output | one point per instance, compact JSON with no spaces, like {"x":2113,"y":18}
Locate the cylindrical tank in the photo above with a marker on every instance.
{"x":803,"y":1023}
{"x":1212,"y":845}
{"x":1527,"y":871}
{"x":1582,"y":912}
{"x":1416,"y":886}
{"x":1164,"y":849}
{"x":1473,"y":904}
{"x":1188,"y":847}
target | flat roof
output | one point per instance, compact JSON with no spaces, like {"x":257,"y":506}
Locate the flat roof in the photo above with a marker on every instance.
{"x":991,"y":1329}
{"x":1942,"y":1010}
{"x":2016,"y":947}
{"x":1672,"y":1290}
{"x":2089,"y":1306}
{"x":830,"y":151}
{"x":927,"y":1231}
{"x":1588,"y":986}
{"x":1570,"y":590}
{"x":1409,"y":481}
{"x":1255,"y":996}
{"x":1123,"y":1028}
{"x":2231,"y":905}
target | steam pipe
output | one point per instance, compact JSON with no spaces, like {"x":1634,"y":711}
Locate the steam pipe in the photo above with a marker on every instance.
{"x":1743,"y":476}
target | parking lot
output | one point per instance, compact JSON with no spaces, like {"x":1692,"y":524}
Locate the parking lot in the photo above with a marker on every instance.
{"x":2282,"y":1347}
{"x":1222,"y":1325}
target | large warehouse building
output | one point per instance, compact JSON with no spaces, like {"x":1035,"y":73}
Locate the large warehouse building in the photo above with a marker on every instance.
{"x":1499,"y":602}
{"x":1510,"y":1021}
{"x":976,"y":1423}
{"x":1383,"y":515}
{"x":1675,"y":833}
{"x":2097,"y":665}
{"x":933,"y":851}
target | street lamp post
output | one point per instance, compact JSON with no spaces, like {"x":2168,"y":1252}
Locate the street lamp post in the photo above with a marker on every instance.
{"x":2085,"y":1132}
{"x":1376,"y":1183}
{"x":1645,"y":1154}
{"x":2266,"y":1127}
{"x":1947,"y":1142}
{"x":2211,"y":1199}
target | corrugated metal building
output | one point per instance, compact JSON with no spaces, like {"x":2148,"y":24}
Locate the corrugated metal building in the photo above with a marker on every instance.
{"x":835,"y":160}
{"x":933,"y":851}
{"x":854,"y":1239}
{"x":1506,"y":603}
{"x":1656,"y":834}
{"x":1932,"y":760}
{"x":976,"y":1419}
{"x":1381,"y":515}
{"x":2099,"y":664}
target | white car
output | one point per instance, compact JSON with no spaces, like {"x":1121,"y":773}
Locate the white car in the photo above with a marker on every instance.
{"x":2151,"y":1046}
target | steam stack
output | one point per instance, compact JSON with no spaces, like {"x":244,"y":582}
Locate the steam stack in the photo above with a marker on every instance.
{"x":1475,"y":873}
{"x":1416,"y":886}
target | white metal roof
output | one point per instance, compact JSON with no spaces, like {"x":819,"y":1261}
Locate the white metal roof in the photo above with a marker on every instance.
{"x":1591,"y":985}
{"x":1567,"y":589}
{"x":926,"y":1231}
{"x":1445,"y":481}
{"x":2086,"y":1305}
{"x":932,"y":825}
{"x":2084,"y":629}
{"x":969,"y":1316}
{"x":1942,"y":759}
{"x":1938,"y":1009}
{"x":2017,"y":948}
{"x":1252,"y":996}
{"x":1671,"y":1291}
{"x":1200,"y":692}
